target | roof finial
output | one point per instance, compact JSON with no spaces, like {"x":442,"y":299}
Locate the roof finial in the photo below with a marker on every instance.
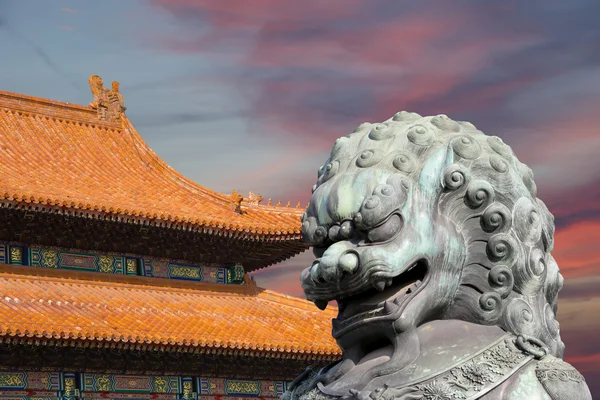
{"x":279,"y":203}
{"x":117,"y":104}
{"x":236,"y":201}
{"x":254,"y":199}
{"x":298,"y":205}
{"x":107,"y":102}
{"x":269,"y":202}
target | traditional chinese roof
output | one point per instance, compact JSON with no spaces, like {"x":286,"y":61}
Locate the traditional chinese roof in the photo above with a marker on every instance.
{"x":43,"y":305}
{"x":61,"y":158}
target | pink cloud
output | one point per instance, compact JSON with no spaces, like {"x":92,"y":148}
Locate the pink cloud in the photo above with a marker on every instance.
{"x":585,"y":363}
{"x":241,"y":14}
{"x":68,"y":10}
{"x":403,"y":60}
{"x":576,"y":249}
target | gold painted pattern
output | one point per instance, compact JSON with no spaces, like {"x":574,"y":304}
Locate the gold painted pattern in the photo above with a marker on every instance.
{"x":105,"y":263}
{"x":69,"y":386}
{"x":12,"y":380}
{"x":160,"y":385}
{"x":185,"y":272}
{"x":187,"y":389}
{"x":16,"y":254}
{"x":103,"y":383}
{"x":241,"y":387}
{"x":49,"y":258}
{"x":131,"y":266}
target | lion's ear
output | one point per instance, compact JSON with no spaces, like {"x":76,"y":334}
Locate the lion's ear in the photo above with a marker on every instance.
{"x":432,"y":175}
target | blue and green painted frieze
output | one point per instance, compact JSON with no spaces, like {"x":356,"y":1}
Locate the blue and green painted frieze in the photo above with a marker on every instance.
{"x":122,"y":264}
{"x":89,"y":386}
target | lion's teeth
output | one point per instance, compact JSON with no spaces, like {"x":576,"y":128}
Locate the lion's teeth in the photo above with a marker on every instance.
{"x":417,"y":284}
{"x":388,"y":282}
{"x":321,"y":304}
{"x":389,"y":307}
{"x":379,"y":285}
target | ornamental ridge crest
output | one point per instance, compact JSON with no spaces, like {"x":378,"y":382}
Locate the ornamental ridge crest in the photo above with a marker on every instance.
{"x":108,"y":103}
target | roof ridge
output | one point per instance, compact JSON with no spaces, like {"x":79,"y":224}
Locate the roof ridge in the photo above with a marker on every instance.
{"x":253,"y":201}
{"x":276,"y":209}
{"x":43,"y":106}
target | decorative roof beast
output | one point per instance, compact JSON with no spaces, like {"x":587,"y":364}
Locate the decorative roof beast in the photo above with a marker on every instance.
{"x":429,"y":236}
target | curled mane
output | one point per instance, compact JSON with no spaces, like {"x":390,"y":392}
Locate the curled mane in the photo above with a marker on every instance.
{"x":509,"y":278}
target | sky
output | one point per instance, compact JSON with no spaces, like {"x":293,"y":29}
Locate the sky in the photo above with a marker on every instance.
{"x":251,"y":94}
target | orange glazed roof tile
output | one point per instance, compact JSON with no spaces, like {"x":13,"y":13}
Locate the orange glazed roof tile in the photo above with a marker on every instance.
{"x":55,"y":305}
{"x":60,"y":155}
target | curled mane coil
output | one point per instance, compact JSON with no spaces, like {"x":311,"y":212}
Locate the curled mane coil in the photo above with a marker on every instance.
{"x":520,"y":291}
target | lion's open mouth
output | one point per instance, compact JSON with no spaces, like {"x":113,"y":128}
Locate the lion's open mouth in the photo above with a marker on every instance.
{"x":374,"y":303}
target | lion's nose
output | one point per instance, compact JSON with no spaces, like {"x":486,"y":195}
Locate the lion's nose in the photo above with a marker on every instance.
{"x":339,"y":259}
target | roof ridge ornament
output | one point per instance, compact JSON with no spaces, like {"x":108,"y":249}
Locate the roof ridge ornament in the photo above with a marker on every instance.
{"x":236,"y":201}
{"x":108,"y":103}
{"x":254,"y":199}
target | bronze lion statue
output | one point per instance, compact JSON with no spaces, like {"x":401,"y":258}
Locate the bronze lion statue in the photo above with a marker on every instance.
{"x":429,"y":235}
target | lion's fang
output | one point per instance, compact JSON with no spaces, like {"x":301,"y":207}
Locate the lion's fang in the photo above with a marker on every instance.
{"x":321,"y":304}
{"x":389,"y":307}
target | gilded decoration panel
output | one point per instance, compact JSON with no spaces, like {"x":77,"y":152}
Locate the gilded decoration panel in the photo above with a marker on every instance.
{"x":241,"y":388}
{"x":131,"y":266}
{"x":15,"y":255}
{"x":50,"y":381}
{"x":111,"y":263}
{"x":76,"y":260}
{"x":160,"y":268}
{"x":235,"y":274}
{"x":130,"y":383}
{"x":185,"y":272}
{"x":13,"y":380}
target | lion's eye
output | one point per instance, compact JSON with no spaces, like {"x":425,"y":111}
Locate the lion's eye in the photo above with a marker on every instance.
{"x":385,"y":231}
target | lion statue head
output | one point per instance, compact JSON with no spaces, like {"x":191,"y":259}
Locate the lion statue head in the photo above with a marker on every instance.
{"x":419,"y":219}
